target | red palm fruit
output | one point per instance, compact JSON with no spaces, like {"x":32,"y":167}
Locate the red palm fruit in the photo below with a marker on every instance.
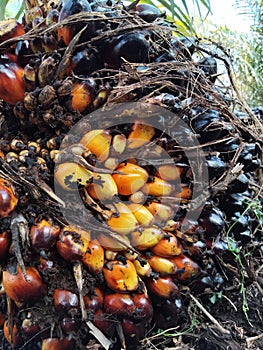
{"x":71,"y":7}
{"x":15,"y":340}
{"x":65,"y":301}
{"x":133,"y":332}
{"x":121,"y":277}
{"x":168,"y":247}
{"x":29,"y":327}
{"x":94,"y":302}
{"x":58,"y":344}
{"x":167,"y":313}
{"x":144,"y":308}
{"x":8,"y":199}
{"x":43,"y":235}
{"x":2,"y":320}
{"x":93,"y":259}
{"x":69,"y":325}
{"x":132,"y":179}
{"x":12,"y":86}
{"x":187,"y":268}
{"x":104,"y":324}
{"x":163,"y":287}
{"x":10,"y":28}
{"x":119,"y":304}
{"x":4,"y":244}
{"x":18,"y":289}
{"x":73,"y":243}
{"x":81,"y":94}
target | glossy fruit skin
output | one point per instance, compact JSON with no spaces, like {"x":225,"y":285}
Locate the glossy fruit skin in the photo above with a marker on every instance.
{"x":103,"y":187}
{"x":12,"y":87}
{"x":140,"y":135}
{"x":16,"y":340}
{"x":105,"y":325}
{"x":72,"y":243}
{"x":8,"y":199}
{"x":133,"y":332}
{"x":43,"y":235}
{"x":20,"y":290}
{"x":67,"y":32}
{"x":94,"y":302}
{"x":187,"y":268}
{"x":132,"y":179}
{"x":146,"y":238}
{"x":65,"y":301}
{"x":161,"y":265}
{"x":5,"y":240}
{"x":122,"y":221}
{"x":168,"y":247}
{"x":69,"y":325}
{"x":158,"y":187}
{"x":121,"y":277}
{"x":98,"y":143}
{"x":93,"y":259}
{"x":147,"y":12}
{"x":119,"y":304}
{"x":163,"y":287}
{"x":58,"y":344}
{"x":133,"y":47}
{"x":81,"y":95}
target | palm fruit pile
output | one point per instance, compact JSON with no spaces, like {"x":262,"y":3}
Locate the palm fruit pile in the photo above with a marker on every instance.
{"x":128,"y":259}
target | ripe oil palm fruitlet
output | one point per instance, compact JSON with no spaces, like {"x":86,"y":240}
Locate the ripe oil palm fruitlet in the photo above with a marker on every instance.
{"x":133,"y":271}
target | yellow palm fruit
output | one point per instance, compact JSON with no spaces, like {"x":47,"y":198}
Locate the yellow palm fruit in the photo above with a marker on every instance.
{"x":168,"y":247}
{"x":160,"y":211}
{"x":158,"y":187}
{"x":98,"y":142}
{"x":110,"y":254}
{"x":171,"y":226}
{"x":103,"y":187}
{"x":147,"y":238}
{"x":112,"y":244}
{"x":122,"y":221}
{"x":93,"y":259}
{"x":169,"y":172}
{"x":121,"y":277}
{"x":137,"y":197}
{"x":142,"y":267}
{"x":162,"y":265}
{"x":140,"y":135}
{"x":132,"y":179}
{"x":69,"y":175}
{"x":141,"y":213}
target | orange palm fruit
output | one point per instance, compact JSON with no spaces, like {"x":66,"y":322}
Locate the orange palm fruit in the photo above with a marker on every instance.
{"x":142,"y":214}
{"x":8,"y":199}
{"x":73,"y":243}
{"x":168,"y":247}
{"x":93,"y":259}
{"x":140,"y":135}
{"x":187,"y":268}
{"x":111,"y":244}
{"x":58,"y":344}
{"x":132,"y":179}
{"x":160,"y":211}
{"x":20,"y":290}
{"x":122,"y":221}
{"x":2,"y":156}
{"x":14,"y":340}
{"x":43,"y":235}
{"x":163,"y":287}
{"x":69,"y":175}
{"x":147,"y":238}
{"x":185,"y":193}
{"x":12,"y":87}
{"x":103,"y":187}
{"x":143,"y":268}
{"x":97,"y":142}
{"x":161,"y":265}
{"x":158,"y":187}
{"x":10,"y":28}
{"x":81,"y":96}
{"x":121,"y":277}
{"x":169,"y":172}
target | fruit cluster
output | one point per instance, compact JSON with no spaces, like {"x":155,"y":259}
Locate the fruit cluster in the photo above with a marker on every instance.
{"x":130,"y":256}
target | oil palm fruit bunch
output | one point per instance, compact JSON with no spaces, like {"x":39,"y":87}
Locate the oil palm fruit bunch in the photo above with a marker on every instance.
{"x":129,"y":256}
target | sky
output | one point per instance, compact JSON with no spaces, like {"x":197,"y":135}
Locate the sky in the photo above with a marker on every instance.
{"x":224,"y":13}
